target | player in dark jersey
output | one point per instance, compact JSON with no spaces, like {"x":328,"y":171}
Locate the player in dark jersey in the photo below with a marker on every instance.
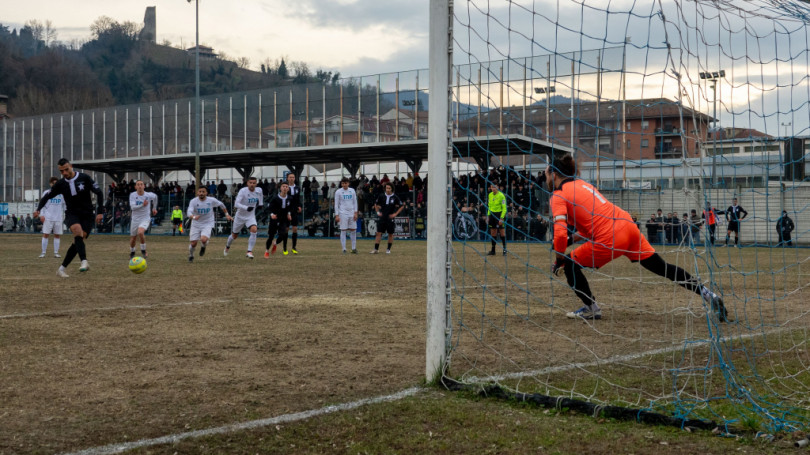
{"x":281,"y":207}
{"x":734,"y":214}
{"x":388,"y":207}
{"x":77,"y":189}
{"x":295,"y":213}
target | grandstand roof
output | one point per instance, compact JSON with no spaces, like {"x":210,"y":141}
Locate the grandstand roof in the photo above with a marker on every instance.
{"x":480,"y":148}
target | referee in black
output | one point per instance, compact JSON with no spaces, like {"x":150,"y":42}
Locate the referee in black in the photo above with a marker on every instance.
{"x":76,"y":187}
{"x":734,"y":214}
{"x":388,"y":207}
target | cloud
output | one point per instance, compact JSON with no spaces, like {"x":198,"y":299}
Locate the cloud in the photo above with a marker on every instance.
{"x":359,"y":15}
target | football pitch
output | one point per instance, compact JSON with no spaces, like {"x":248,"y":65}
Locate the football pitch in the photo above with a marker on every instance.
{"x":110,"y":357}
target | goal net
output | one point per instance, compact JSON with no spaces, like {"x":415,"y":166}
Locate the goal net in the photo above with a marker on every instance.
{"x":682,"y":107}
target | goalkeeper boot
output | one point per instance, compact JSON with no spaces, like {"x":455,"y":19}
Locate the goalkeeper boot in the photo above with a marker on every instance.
{"x":720,"y":309}
{"x":586,"y":312}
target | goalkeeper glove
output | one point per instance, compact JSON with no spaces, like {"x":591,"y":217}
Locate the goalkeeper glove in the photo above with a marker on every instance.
{"x":559,"y":265}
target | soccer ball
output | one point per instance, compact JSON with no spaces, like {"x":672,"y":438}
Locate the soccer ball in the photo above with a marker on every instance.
{"x":137,"y":264}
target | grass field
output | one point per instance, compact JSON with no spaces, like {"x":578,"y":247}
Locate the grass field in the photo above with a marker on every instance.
{"x":109,"y":357}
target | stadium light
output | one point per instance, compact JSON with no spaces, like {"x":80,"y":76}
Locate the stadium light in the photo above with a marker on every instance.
{"x":715,"y":77}
{"x":197,"y":94}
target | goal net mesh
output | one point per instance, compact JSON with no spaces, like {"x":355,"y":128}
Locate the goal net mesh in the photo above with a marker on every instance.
{"x":670,"y":105}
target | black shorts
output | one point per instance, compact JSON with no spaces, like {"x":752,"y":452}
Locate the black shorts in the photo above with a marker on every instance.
{"x":385,"y":224}
{"x":734,"y":226}
{"x":86,"y":221}
{"x":494,"y":222}
{"x":296,"y":218}
{"x":275,"y":226}
{"x":177,"y":221}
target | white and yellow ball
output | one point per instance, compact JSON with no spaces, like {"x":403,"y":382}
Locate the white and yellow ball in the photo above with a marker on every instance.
{"x":137,"y":264}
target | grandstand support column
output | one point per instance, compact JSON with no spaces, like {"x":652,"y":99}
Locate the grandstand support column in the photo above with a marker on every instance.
{"x":439,"y":162}
{"x":296,"y":169}
{"x":155,"y":176}
{"x":352,"y":167}
{"x":246,"y":171}
{"x":197,"y":178}
{"x":117,"y":177}
{"x":414,"y":165}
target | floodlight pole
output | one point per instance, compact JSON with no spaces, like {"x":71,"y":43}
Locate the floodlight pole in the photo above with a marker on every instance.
{"x":715,"y":77}
{"x":197,"y":175}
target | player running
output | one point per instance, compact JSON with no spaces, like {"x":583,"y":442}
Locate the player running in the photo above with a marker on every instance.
{"x":201,"y":212}
{"x":281,"y":207}
{"x":734,"y":214}
{"x":143,"y":205}
{"x":78,"y":189}
{"x":496,"y":211}
{"x":610,"y":232}
{"x":388,"y":207}
{"x":53,"y":216}
{"x":346,"y":213}
{"x":247,"y":201}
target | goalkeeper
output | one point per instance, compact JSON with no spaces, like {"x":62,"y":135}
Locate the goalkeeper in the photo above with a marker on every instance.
{"x":610,"y":232}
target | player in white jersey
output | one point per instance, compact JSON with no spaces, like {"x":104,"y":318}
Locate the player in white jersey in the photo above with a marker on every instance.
{"x":247,"y":201}
{"x":52,"y":217}
{"x":346,"y":213}
{"x":143,"y":205}
{"x":201,"y":211}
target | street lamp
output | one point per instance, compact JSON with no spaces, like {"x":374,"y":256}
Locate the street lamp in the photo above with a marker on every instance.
{"x":197,"y":93}
{"x":786,"y":125}
{"x":548,"y":90}
{"x":715,"y":77}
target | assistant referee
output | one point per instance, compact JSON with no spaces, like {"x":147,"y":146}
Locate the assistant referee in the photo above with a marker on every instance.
{"x":496,"y":211}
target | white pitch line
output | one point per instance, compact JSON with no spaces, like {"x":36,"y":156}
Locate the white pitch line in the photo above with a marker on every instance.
{"x":113,"y":308}
{"x":617,"y":359}
{"x":287,"y":418}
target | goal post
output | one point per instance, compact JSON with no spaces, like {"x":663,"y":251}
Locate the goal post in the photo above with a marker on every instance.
{"x":439,"y":157}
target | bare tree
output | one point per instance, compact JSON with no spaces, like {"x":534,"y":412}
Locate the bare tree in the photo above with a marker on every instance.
{"x":37,"y":29}
{"x":101,"y":25}
{"x":50,"y":33}
{"x":243,"y":62}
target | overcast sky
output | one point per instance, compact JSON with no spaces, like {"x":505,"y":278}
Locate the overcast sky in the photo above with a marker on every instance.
{"x":355,"y":37}
{"x":760,"y":43}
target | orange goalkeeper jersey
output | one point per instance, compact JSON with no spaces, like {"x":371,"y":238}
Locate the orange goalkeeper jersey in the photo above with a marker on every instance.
{"x":579,"y":204}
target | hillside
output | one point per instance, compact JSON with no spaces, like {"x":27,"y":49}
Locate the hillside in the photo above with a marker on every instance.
{"x":115,"y":67}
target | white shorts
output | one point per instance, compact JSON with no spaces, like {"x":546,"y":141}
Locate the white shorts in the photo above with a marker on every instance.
{"x":242,"y":221}
{"x":198,"y":231}
{"x":347,"y":221}
{"x":52,"y":227}
{"x":134,"y":225}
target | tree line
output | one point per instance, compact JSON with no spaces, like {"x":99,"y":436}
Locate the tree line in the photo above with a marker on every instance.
{"x":41,"y":74}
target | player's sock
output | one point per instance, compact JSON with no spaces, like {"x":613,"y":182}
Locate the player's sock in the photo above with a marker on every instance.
{"x":71,"y":253}
{"x":343,"y":240}
{"x":377,"y":247}
{"x":230,"y":241}
{"x":493,"y":243}
{"x":45,"y":244}
{"x":132,"y":249}
{"x":353,"y":235}
{"x":56,"y":243}
{"x":284,"y":242}
{"x":736,"y":240}
{"x":143,"y":249}
{"x":390,"y":244}
{"x":191,"y":249}
{"x":80,"y":249}
{"x":268,"y":242}
{"x":503,"y":240}
{"x":727,"y":237}
{"x":251,"y":240}
{"x":294,"y":239}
